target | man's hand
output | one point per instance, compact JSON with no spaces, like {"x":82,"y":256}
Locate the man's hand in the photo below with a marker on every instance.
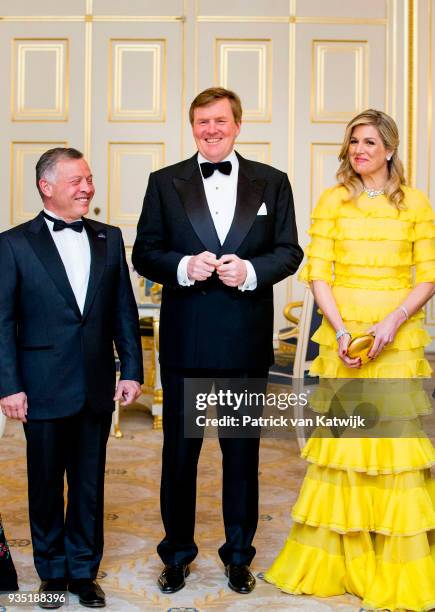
{"x":201,"y":266}
{"x":15,"y":406}
{"x":231,"y":270}
{"x":127,"y":391}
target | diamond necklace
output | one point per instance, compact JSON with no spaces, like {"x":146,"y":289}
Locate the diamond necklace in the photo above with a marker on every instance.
{"x":373,"y":193}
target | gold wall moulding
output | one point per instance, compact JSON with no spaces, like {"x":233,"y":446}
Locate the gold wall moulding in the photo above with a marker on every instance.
{"x":412,"y":89}
{"x":430,"y":98}
{"x":291,"y":19}
{"x":329,"y":51}
{"x":140,"y":18}
{"x":90,"y":18}
{"x":244,"y":19}
{"x":125,"y":53}
{"x":55,"y":53}
{"x":87,"y":117}
{"x":123,"y":171}
{"x":291,"y":100}
{"x":199,"y":18}
{"x":24,"y":155}
{"x":259,"y":109}
{"x":320,"y":154}
{"x":258,"y":151}
{"x":47,"y":18}
{"x":430,"y":312}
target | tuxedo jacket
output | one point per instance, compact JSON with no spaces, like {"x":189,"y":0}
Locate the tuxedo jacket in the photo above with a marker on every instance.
{"x":210,"y":325}
{"x":59,"y":357}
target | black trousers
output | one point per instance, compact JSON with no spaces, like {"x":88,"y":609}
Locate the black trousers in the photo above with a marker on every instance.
{"x":67,"y":545}
{"x":179,"y":469}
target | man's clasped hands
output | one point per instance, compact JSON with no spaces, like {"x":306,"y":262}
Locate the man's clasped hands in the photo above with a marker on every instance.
{"x":231,"y":269}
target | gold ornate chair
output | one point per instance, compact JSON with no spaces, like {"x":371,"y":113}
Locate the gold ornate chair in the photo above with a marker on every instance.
{"x":293,"y":371}
{"x":149,"y":298}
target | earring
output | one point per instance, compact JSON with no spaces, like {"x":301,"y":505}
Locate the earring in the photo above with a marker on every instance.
{"x":389,"y":157}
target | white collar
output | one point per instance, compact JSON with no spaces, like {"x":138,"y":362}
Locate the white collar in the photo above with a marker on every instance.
{"x":232,"y":157}
{"x":52,"y":214}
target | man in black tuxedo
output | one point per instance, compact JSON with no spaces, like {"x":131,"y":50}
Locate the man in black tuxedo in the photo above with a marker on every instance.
{"x":66,"y":298}
{"x":217,"y":231}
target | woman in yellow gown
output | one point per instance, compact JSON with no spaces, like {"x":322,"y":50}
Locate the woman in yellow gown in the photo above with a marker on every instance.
{"x":364,"y":522}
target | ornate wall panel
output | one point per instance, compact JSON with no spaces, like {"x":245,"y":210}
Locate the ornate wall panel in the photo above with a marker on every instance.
{"x":324,"y":163}
{"x":424,"y":94}
{"x":42,"y":102}
{"x":137,"y":8}
{"x":301,"y":68}
{"x":246,"y":65}
{"x":142,"y":62}
{"x":25,"y":202}
{"x":259,"y":151}
{"x":43,"y":8}
{"x":243,"y":10}
{"x":335,"y":9}
{"x":331,"y":60}
{"x":430,"y":142}
{"x":129,"y":164}
{"x":37,"y":61}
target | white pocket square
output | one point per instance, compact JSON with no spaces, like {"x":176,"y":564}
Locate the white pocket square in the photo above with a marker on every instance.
{"x":262,"y":210}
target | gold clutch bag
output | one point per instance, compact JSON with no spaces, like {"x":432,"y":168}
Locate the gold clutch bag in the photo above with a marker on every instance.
{"x":360,"y":347}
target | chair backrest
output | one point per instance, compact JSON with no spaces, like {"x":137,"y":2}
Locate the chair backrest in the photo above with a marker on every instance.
{"x":2,"y":424}
{"x":306,"y":349}
{"x":306,"y":352}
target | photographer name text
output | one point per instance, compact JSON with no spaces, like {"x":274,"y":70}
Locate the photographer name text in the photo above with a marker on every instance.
{"x":352,"y":422}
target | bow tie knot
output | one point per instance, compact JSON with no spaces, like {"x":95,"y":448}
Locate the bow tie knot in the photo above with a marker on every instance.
{"x":60,"y":224}
{"x":208,"y":168}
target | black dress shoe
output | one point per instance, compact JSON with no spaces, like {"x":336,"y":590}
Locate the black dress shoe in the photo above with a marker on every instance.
{"x":240,"y":578}
{"x":89,"y":591}
{"x":172,"y":578}
{"x":54,"y":590}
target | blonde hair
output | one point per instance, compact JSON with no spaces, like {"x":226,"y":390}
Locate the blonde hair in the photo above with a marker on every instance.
{"x":387,"y":129}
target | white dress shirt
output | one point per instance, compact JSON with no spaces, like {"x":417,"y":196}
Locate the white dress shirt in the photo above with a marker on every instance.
{"x":221,"y":194}
{"x":75,"y":253}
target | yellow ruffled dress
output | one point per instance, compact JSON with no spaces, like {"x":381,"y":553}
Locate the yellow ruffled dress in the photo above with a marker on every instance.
{"x":364,"y":522}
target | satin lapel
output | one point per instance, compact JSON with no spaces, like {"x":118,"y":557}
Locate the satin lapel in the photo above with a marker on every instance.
{"x":192,"y":195}
{"x":249,"y":198}
{"x":43,"y":244}
{"x":97,"y":244}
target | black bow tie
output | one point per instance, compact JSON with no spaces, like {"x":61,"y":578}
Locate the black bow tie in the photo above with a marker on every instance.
{"x":59,"y":224}
{"x":207,"y":168}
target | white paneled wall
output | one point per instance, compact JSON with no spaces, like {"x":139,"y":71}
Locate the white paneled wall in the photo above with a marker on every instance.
{"x":115,"y":79}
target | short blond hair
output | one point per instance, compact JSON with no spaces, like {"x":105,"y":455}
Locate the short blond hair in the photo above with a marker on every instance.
{"x":212,"y":94}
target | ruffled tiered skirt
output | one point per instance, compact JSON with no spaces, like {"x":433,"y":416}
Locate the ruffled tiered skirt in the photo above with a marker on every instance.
{"x":364,"y":522}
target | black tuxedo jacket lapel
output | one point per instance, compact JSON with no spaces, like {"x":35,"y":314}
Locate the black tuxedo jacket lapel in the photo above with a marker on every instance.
{"x":97,"y":243}
{"x":249,"y":198}
{"x":190,"y":189}
{"x":43,"y":244}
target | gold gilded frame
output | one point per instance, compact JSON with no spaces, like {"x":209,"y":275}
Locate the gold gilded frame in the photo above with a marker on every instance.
{"x":158,"y":113}
{"x":223,"y":46}
{"x":20,"y":47}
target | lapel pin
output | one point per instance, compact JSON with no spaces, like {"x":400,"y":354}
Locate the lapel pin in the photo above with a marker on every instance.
{"x":101,"y":235}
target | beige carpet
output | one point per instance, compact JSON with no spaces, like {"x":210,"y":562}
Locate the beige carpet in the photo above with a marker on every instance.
{"x":133,"y":528}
